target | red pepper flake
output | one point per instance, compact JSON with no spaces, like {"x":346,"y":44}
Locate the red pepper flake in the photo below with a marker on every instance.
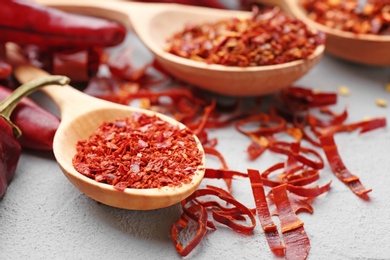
{"x":267,"y":38}
{"x":139,"y":152}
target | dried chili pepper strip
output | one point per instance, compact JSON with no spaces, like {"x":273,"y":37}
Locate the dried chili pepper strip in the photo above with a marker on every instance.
{"x":339,"y":169}
{"x":326,"y":137}
{"x":46,"y":26}
{"x":191,"y":211}
{"x":182,"y":223}
{"x":301,"y":98}
{"x":306,"y":176}
{"x":225,"y":217}
{"x":224,"y":167}
{"x":222,"y":174}
{"x":336,"y":119}
{"x":295,"y":238}
{"x":269,"y":227}
{"x":298,"y":204}
{"x":364,"y":126}
{"x":282,"y":147}
{"x":268,"y":125}
{"x":207,"y":111}
{"x":308,"y":192}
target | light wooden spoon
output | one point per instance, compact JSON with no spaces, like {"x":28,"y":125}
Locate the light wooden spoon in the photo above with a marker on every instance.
{"x":155,"y":23}
{"x":360,"y":48}
{"x":80,"y":116}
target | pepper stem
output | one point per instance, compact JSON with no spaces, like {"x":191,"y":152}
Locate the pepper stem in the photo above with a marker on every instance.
{"x":9,"y":104}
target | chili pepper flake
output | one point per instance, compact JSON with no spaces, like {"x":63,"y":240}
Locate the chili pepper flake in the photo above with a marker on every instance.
{"x":344,"y":91}
{"x":387,"y":87}
{"x":381,"y":102}
{"x":139,"y":152}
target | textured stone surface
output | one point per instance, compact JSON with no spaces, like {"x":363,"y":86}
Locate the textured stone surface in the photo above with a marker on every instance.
{"x":42,"y":216}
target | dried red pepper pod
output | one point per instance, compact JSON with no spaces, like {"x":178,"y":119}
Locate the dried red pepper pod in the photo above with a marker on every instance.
{"x":25,"y":22}
{"x":37,"y":124}
{"x":9,"y":146}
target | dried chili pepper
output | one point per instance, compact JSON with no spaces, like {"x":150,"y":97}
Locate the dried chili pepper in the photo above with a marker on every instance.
{"x":5,"y":69}
{"x":9,"y":147}
{"x":361,"y":17}
{"x":49,"y":27}
{"x":37,"y":124}
{"x":263,"y":39}
{"x":139,"y":152}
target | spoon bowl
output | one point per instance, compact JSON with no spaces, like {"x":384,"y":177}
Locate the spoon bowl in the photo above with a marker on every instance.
{"x":155,"y":23}
{"x":365,"y":49}
{"x":81,"y":114}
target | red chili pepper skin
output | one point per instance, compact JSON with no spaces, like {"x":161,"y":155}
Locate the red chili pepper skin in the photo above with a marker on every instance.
{"x":10,"y":151}
{"x":25,"y":22}
{"x":205,"y":3}
{"x":37,"y":124}
{"x":5,"y":69}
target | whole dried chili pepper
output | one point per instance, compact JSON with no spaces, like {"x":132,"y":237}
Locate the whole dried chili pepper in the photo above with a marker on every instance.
{"x":37,"y":124}
{"x":9,"y":147}
{"x":46,"y":26}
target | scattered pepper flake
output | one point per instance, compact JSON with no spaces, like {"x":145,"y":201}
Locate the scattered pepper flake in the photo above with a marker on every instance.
{"x":344,"y":91}
{"x":387,"y":87}
{"x":381,"y":102}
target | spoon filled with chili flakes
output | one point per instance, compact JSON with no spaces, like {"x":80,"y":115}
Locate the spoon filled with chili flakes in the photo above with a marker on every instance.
{"x":356,"y":30}
{"x":122,"y":156}
{"x":229,"y":52}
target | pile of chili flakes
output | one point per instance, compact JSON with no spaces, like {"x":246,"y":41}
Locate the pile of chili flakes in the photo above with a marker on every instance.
{"x":139,"y":152}
{"x":361,"y":17}
{"x":269,"y":37}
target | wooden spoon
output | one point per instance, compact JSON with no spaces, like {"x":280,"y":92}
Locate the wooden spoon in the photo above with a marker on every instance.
{"x":80,"y":116}
{"x":155,"y":23}
{"x":360,"y":48}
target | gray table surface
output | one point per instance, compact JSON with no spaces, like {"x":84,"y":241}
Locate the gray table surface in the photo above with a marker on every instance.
{"x":42,"y":216}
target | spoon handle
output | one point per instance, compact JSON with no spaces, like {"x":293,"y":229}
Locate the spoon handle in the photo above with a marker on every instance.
{"x":70,"y":101}
{"x":289,"y":6}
